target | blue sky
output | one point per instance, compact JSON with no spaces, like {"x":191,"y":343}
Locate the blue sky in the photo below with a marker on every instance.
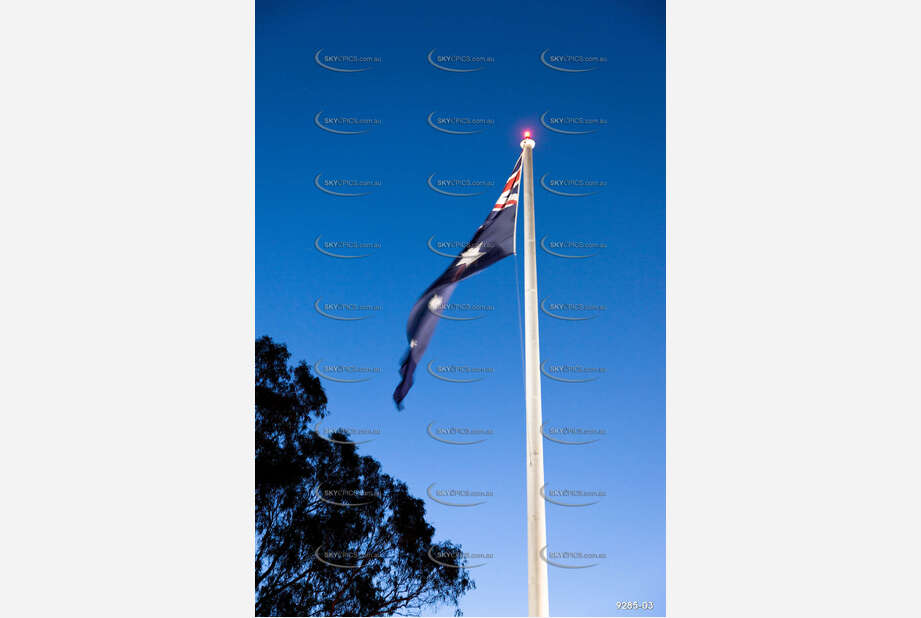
{"x":398,"y":153}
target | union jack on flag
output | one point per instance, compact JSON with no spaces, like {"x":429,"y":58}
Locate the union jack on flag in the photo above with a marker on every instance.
{"x":509,"y":195}
{"x":493,"y":240}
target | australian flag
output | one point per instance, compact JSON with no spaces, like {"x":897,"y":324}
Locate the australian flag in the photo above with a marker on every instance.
{"x":494,"y":240}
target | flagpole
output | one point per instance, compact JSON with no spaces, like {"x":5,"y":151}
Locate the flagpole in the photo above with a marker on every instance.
{"x":538,"y":598}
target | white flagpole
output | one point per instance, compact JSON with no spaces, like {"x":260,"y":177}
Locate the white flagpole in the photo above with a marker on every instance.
{"x":538,"y":598}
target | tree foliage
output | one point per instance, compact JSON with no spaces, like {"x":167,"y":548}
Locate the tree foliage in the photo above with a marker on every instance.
{"x":334,"y":535}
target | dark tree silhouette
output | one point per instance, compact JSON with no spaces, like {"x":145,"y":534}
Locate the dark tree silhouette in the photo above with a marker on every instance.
{"x":334,"y":535}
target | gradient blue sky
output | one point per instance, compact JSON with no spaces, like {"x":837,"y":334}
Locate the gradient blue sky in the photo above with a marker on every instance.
{"x":628,"y":277}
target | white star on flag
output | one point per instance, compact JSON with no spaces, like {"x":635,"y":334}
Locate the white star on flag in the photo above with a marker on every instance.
{"x":471,"y":255}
